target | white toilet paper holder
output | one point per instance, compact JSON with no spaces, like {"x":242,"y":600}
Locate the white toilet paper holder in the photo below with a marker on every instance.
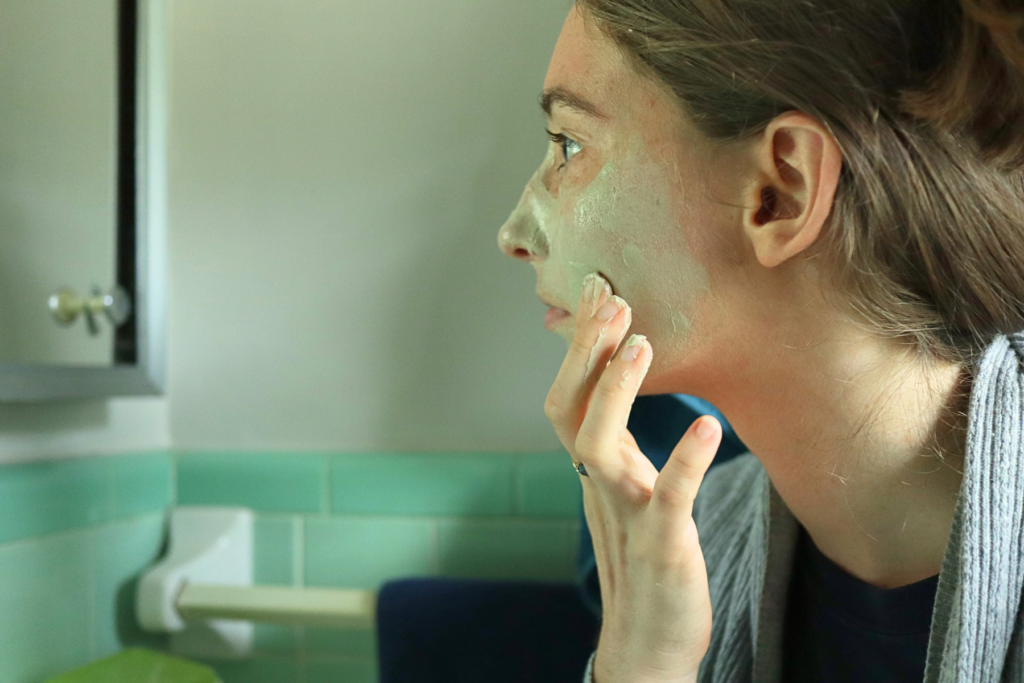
{"x":202,"y":591}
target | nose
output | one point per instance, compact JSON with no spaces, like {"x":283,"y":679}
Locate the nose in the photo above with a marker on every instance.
{"x":522,"y":237}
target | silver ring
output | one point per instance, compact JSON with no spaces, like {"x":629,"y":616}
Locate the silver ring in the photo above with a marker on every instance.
{"x":580,"y":468}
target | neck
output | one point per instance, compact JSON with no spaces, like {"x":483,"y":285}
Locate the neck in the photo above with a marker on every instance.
{"x":864,"y":442}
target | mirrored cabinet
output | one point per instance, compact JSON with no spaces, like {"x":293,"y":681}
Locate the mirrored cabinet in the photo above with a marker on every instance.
{"x":82,"y":198}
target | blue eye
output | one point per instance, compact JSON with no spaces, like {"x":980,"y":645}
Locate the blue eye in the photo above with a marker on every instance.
{"x":570,"y":147}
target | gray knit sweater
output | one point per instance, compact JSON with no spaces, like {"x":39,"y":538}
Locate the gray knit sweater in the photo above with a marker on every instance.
{"x":976,"y":635}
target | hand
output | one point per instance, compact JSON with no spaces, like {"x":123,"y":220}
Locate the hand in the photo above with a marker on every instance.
{"x":656,"y":623}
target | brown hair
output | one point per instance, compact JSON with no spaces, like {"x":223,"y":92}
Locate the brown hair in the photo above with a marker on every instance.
{"x":925,"y":98}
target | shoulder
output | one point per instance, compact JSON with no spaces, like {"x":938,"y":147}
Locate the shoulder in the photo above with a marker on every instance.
{"x":730,"y":512}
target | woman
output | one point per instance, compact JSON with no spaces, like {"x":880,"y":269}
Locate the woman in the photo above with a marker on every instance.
{"x":815,"y":210}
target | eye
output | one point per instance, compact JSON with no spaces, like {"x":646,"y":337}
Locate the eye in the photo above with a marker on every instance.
{"x":570,"y":147}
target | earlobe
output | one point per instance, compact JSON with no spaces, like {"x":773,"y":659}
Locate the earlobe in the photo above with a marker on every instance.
{"x":798,"y":165}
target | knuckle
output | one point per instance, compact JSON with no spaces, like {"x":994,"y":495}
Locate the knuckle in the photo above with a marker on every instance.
{"x":553,"y":410}
{"x":578,"y":346}
{"x":689,"y":470}
{"x":674,"y":496}
{"x":586,"y":443}
{"x":605,"y":388}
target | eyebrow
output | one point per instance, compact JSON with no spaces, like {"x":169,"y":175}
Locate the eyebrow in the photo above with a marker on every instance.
{"x":554,"y":96}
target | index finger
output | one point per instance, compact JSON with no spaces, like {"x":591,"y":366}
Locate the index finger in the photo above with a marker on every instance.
{"x":591,"y":347}
{"x":600,"y":443}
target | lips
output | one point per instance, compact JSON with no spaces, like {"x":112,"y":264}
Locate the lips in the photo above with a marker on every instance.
{"x":555,"y":317}
{"x":549,"y":302}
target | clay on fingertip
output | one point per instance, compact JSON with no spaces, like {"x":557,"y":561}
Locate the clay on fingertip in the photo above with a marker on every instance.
{"x":595,"y":353}
{"x":595,"y":284}
{"x":636,"y":340}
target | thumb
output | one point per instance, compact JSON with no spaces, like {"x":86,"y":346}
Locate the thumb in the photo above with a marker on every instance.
{"x":677,"y":483}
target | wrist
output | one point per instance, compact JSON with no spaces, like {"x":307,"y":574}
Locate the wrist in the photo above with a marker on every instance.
{"x":604,"y":671}
{"x":598,"y":678}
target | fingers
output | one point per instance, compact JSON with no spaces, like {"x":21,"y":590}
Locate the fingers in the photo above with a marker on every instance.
{"x":599,"y":329}
{"x":677,"y":483}
{"x":601,"y":442}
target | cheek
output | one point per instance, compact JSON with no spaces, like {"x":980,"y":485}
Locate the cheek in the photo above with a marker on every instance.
{"x":639,"y":224}
{"x":664,"y":293}
{"x":643,"y":229}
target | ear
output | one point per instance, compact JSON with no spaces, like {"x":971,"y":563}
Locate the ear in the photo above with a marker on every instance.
{"x":797,"y":166}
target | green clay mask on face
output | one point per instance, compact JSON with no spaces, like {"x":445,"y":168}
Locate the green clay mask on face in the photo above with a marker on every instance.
{"x":628,"y":224}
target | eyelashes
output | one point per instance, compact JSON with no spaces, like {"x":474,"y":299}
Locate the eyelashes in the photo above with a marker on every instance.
{"x":569,"y":147}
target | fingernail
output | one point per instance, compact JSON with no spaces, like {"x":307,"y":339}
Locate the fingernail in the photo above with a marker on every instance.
{"x":633,"y":347}
{"x":610,"y":309}
{"x":589,"y":288}
{"x":601,"y":292}
{"x":704,"y":428}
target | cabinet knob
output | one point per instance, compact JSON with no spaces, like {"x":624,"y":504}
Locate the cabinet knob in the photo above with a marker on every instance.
{"x":115,"y":305}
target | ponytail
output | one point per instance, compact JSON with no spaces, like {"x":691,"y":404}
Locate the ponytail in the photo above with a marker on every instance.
{"x":978,"y":89}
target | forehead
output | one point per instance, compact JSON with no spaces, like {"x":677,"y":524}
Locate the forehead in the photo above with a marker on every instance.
{"x":589,"y":64}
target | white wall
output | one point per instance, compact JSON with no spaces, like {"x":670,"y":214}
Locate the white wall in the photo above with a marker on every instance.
{"x":339,"y":171}
{"x":338,"y":175}
{"x":80,"y":428}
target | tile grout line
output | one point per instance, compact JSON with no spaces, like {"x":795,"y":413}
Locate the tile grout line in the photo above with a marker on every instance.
{"x":56,"y":535}
{"x":517,"y":486}
{"x":327,"y":505}
{"x":174,"y":478}
{"x":299,"y":551}
{"x":299,"y":569}
{"x":435,"y":552}
{"x":92,"y":609}
{"x":299,"y":579}
{"x":108,"y":465}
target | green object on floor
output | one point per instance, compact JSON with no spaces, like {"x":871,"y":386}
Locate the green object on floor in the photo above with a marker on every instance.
{"x":136,"y":665}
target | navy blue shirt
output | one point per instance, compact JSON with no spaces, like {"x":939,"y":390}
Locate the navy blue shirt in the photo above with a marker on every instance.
{"x":838,"y":629}
{"x":842,"y":630}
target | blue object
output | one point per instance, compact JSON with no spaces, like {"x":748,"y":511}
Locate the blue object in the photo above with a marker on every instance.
{"x":470,"y":631}
{"x":442,"y":630}
{"x":840,"y":629}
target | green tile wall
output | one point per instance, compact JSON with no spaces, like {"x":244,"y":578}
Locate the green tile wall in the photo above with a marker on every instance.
{"x":365,"y":552}
{"x":548,"y":485}
{"x":422,"y":484}
{"x":62,"y":596}
{"x":142,"y":483}
{"x":120,"y":551}
{"x":338,"y":643}
{"x":267,"y":482}
{"x":497,"y":549}
{"x":339,"y":671}
{"x":258,"y":670}
{"x":44,"y":599}
{"x":75,"y":534}
{"x":274,"y":547}
{"x":49,"y":497}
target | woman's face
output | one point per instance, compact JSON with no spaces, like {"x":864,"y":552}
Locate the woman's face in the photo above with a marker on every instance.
{"x":630,"y":190}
